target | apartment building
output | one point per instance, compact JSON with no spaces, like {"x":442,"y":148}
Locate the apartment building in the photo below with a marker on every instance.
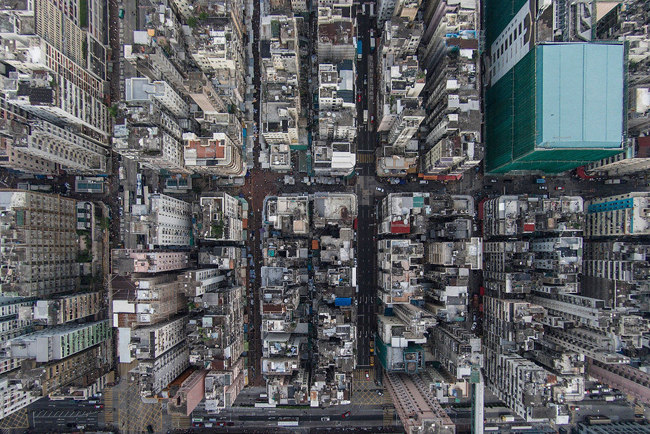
{"x":334,"y":209}
{"x":68,"y":308}
{"x":280,"y":112}
{"x":16,"y":317}
{"x":127,"y":261}
{"x":82,"y":370}
{"x":335,"y":283}
{"x":151,"y":61}
{"x":153,"y":375}
{"x":54,"y":98}
{"x":401,"y":336}
{"x":13,"y":397}
{"x":634,"y":159}
{"x":216,"y":334}
{"x":144,"y":301}
{"x":401,"y":82}
{"x":59,"y":147}
{"x":507,"y":266}
{"x":195,"y":283}
{"x":223,"y":387}
{"x":189,"y":395}
{"x":204,"y":93}
{"x":616,"y":272}
{"x":280,"y":49}
{"x":457,"y":349}
{"x":54,"y":37}
{"x":333,"y":158}
{"x":224,"y":218}
{"x":141,"y":90}
{"x":288,"y":214}
{"x":453,"y":143}
{"x":217,"y":48}
{"x":399,"y":263}
{"x":334,"y":154}
{"x":468,"y":254}
{"x":623,"y":215}
{"x":15,"y":132}
{"x":155,"y":144}
{"x":409,"y":213}
{"x":222,"y":257}
{"x":60,"y":342}
{"x":335,"y":33}
{"x":215,"y":155}
{"x":516,"y":216}
{"x":39,"y":244}
{"x":171,"y":220}
{"x":150,"y":342}
{"x":399,"y":108}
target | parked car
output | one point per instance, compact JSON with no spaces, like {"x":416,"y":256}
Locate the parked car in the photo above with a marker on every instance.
{"x":559,"y":187}
{"x":379,"y":189}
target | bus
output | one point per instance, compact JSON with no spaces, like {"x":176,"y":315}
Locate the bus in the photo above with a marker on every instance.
{"x":372,"y":43}
{"x":598,"y":420}
{"x":288,"y":421}
{"x":359,"y":49}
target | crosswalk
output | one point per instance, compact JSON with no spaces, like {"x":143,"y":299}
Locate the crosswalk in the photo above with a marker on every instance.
{"x":389,"y":416}
{"x":108,"y":406}
{"x":365,"y":158}
{"x":389,"y":409}
{"x":180,"y":421}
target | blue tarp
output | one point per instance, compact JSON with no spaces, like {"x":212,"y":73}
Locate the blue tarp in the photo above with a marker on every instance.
{"x":342,"y":301}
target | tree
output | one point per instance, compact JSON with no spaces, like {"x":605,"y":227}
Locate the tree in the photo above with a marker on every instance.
{"x":191,"y":21}
{"x":203,"y":16}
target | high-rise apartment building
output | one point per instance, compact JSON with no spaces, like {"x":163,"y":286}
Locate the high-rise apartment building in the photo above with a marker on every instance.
{"x":569,"y":114}
{"x":172,"y":221}
{"x":217,"y":155}
{"x":56,"y":343}
{"x":617,"y":216}
{"x":39,"y":244}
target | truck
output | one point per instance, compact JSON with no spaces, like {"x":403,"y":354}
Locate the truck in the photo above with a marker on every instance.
{"x":540,"y":181}
{"x":372,"y":43}
{"x":365,"y":116}
{"x":359,"y":49}
{"x":613,"y":181}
